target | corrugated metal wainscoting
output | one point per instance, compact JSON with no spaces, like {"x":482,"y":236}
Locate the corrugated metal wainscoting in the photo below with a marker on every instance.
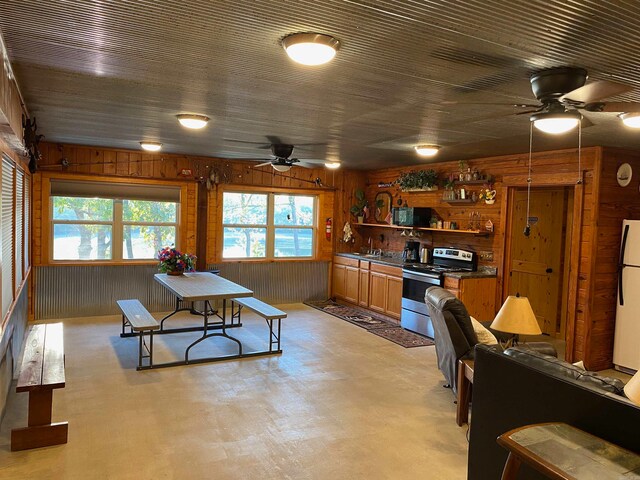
{"x":77,"y":291}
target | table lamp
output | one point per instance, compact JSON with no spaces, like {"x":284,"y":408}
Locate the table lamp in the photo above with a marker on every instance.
{"x":516,"y":316}
{"x":632,"y":389}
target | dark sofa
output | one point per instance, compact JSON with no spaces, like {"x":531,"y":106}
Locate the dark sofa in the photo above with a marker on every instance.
{"x":509,"y":392}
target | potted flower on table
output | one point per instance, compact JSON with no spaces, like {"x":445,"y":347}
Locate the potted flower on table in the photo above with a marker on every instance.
{"x":173,"y":262}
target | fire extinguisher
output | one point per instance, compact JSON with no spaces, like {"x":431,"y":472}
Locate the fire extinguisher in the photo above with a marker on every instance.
{"x":328,"y":228}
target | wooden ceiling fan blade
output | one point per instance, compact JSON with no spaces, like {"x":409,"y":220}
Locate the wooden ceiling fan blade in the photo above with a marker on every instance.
{"x":262,"y":164}
{"x":528,"y":112}
{"x":594,"y":91}
{"x":614,"y":107}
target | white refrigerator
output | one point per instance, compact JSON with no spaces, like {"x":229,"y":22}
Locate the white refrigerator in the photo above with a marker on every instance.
{"x":626,"y":345}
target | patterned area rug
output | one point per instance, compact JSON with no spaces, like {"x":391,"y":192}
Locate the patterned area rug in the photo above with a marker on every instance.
{"x":372,"y":322}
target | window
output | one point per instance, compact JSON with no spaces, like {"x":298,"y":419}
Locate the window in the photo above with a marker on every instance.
{"x":116,"y":228}
{"x":268,"y":225}
{"x":8,"y":172}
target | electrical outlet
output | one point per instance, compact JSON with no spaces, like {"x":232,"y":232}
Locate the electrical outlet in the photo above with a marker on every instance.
{"x":487,"y":256}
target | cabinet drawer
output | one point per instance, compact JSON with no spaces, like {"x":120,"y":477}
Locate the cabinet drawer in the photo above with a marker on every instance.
{"x":352,"y":262}
{"x":451,"y":283}
{"x":364,"y":265}
{"x":394,"y":271}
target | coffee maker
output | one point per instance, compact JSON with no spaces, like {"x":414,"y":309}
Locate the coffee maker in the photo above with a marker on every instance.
{"x":411,"y":252}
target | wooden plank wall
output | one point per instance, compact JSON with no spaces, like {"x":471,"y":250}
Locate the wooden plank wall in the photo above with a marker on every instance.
{"x":615,"y":204}
{"x":513,"y":166}
{"x":161,"y":166}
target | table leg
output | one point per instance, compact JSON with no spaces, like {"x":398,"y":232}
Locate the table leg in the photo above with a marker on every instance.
{"x":511,"y":467}
{"x":464,"y":395}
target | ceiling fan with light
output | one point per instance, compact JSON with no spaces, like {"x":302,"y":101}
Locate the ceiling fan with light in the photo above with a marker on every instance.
{"x":564,"y":91}
{"x":281,"y":153}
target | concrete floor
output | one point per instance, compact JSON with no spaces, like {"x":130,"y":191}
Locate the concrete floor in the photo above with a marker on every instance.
{"x":339,"y":403}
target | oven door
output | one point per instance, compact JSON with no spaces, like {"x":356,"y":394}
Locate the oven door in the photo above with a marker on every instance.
{"x":415,"y":313}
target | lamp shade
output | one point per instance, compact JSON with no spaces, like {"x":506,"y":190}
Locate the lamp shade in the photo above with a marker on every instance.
{"x":516,"y":316}
{"x":632,"y":389}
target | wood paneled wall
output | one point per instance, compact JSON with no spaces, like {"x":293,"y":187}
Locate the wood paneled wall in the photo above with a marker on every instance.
{"x":121,"y":163}
{"x":604,"y":205}
{"x":615,"y":204}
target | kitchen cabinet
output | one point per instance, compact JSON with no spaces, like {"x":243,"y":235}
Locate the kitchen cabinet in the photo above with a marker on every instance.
{"x":477,"y":294}
{"x":371,"y":285}
{"x":385,"y":292}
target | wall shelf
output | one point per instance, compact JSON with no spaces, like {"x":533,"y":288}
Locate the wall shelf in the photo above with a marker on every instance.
{"x":460,"y":200}
{"x":471,"y":182}
{"x":423,"y":229}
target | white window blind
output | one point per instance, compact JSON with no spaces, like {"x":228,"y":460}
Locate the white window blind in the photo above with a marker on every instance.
{"x":27,"y":220}
{"x":19,"y":243}
{"x":7,"y":235}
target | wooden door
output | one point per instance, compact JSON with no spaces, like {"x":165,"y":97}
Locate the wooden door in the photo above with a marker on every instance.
{"x":339,"y":280}
{"x":394,"y":296}
{"x":351,"y":284}
{"x":536,"y":261}
{"x":363,"y":298}
{"x":378,"y":291}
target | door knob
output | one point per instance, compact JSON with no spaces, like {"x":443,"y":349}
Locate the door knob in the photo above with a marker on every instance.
{"x":549,"y":270}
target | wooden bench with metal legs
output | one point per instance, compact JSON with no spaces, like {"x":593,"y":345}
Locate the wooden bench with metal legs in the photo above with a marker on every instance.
{"x":41,"y":372}
{"x":268,"y":312}
{"x":140,"y":321}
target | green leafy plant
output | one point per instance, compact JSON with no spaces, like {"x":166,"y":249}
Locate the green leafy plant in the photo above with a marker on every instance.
{"x":357,"y":210}
{"x":418,"y":179}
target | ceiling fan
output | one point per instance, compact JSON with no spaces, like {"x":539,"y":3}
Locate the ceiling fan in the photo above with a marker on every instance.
{"x":281,"y":152}
{"x":563,"y":92}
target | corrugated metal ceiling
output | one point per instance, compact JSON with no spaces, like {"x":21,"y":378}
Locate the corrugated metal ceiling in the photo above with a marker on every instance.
{"x":114,"y":73}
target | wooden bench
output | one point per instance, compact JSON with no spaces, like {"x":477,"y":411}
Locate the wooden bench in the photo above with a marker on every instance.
{"x":41,"y":372}
{"x":268,"y":312}
{"x":140,"y":321}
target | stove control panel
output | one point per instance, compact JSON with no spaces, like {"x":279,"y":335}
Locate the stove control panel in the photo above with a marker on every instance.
{"x":453,"y":254}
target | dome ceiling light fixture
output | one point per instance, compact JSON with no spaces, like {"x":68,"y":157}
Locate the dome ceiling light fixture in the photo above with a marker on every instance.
{"x":310,"y":48}
{"x":631,"y":119}
{"x":151,"y":146}
{"x":281,"y":168}
{"x":556,"y":122}
{"x":192,"y":121}
{"x":426,"y":150}
{"x":332,"y":165}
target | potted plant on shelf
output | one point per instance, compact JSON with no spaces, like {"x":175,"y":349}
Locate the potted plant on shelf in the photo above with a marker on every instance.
{"x":449,"y":184}
{"x":360,"y":208}
{"x":418,"y":181}
{"x":173,"y":262}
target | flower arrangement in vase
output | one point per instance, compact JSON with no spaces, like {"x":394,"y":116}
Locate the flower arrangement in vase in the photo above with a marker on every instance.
{"x":173,"y":262}
{"x":488,"y":194}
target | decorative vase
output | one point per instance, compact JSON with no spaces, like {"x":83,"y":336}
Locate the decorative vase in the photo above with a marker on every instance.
{"x":175,"y":273}
{"x":490,"y":202}
{"x":360,"y":219}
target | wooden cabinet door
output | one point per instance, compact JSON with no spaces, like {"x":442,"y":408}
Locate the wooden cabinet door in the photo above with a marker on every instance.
{"x":339,"y":281}
{"x":363,"y":298}
{"x":378,"y":291}
{"x":351,"y":289}
{"x":394,"y":296}
{"x":478,"y":296}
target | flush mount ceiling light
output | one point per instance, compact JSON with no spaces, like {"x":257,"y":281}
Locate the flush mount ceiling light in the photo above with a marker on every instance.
{"x":556,"y":122}
{"x":192,"y":121}
{"x":426,"y":150}
{"x":332,"y":165}
{"x":151,"y":146}
{"x":310,"y":48}
{"x":281,"y":168}
{"x":631,"y":119}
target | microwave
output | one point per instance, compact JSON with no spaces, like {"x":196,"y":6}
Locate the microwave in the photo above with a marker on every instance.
{"x":412,"y":216}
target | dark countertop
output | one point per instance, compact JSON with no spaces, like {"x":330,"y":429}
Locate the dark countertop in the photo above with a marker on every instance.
{"x":483,"y":272}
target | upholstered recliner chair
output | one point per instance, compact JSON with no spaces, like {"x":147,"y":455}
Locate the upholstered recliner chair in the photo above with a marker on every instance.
{"x":454,"y":335}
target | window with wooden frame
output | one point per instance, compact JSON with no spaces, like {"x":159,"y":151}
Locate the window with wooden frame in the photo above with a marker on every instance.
{"x":117,"y":222}
{"x":259,"y":225}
